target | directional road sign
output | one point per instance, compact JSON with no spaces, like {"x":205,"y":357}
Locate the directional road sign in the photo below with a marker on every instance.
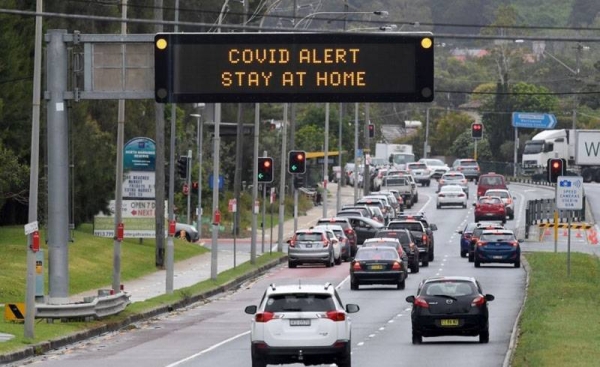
{"x":569,"y":192}
{"x":533,"y":120}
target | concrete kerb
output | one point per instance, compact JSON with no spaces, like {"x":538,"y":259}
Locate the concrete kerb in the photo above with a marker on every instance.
{"x":43,"y":347}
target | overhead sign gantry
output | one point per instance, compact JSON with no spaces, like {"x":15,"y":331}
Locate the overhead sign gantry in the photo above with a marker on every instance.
{"x":293,"y":67}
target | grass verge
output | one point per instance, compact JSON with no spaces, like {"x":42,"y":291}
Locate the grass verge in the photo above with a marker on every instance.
{"x":560,"y":323}
{"x":46,"y":331}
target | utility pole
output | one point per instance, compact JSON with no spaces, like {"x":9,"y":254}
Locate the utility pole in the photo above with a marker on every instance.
{"x":159,"y":117}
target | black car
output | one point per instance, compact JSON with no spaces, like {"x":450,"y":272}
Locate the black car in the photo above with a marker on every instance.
{"x":448,"y":306}
{"x":408,"y":244}
{"x":364,"y":228}
{"x":377,"y":265}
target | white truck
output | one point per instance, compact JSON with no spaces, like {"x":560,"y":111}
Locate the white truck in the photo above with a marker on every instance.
{"x":580,"y":148}
{"x":396,"y":154}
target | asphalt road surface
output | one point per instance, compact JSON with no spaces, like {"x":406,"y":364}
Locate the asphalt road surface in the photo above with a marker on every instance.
{"x":216,"y":333}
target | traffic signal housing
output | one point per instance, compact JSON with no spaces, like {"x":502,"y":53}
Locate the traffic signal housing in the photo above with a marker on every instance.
{"x":297,"y":161}
{"x":265,"y":169}
{"x":182,"y":166}
{"x":556,"y":167}
{"x":477,"y":130}
{"x":371,"y":131}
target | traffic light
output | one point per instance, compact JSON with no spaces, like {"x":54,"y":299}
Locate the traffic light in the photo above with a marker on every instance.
{"x":371,"y":131}
{"x":265,"y":169}
{"x":298,"y":181}
{"x":556,"y":167}
{"x":182,"y":166}
{"x":297,"y":161}
{"x":477,"y":130}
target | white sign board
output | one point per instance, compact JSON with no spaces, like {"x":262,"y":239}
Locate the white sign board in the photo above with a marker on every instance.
{"x":31,"y":227}
{"x":139,"y":218}
{"x":139,"y":184}
{"x":587,"y":151}
{"x":569,"y":192}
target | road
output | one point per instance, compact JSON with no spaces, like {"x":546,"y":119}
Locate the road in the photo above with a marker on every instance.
{"x":216,"y":333}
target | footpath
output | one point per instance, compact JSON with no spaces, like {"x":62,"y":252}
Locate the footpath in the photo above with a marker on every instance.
{"x":191,"y":271}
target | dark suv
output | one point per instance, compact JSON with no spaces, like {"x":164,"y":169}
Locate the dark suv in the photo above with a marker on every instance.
{"x":408,"y":244}
{"x":419,"y":231}
{"x":468,"y":167}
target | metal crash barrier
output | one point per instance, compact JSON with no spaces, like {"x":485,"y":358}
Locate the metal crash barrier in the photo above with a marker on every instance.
{"x":541,"y":211}
{"x":91,"y":308}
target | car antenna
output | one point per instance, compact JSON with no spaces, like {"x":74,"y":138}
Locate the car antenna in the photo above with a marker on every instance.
{"x":299,"y":283}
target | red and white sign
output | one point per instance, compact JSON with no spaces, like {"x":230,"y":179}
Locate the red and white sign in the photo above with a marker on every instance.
{"x":186,"y":189}
{"x":256,"y":207}
{"x":272,"y":196}
{"x":232,"y":205}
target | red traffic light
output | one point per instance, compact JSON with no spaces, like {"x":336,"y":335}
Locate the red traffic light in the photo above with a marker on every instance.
{"x":267,"y":163}
{"x":476,"y":130}
{"x":296,"y":161}
{"x":371,"y":130}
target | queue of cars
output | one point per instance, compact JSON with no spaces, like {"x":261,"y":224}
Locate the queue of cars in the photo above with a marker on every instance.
{"x":309,"y":324}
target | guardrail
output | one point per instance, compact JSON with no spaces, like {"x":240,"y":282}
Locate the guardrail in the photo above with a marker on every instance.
{"x":91,"y":308}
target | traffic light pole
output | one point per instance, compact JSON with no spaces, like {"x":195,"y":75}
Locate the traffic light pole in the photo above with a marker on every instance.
{"x":189,"y":185}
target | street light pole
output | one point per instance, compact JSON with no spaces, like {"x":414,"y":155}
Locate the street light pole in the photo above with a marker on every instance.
{"x":199,"y":137}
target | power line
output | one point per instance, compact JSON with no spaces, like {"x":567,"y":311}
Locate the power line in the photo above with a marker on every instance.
{"x":278,"y":29}
{"x":518,"y":93}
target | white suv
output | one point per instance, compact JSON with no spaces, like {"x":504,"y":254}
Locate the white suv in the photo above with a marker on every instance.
{"x":302,"y":323}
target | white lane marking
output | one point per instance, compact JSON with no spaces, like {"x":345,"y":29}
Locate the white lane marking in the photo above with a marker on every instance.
{"x":360,"y":344}
{"x":207,"y":350}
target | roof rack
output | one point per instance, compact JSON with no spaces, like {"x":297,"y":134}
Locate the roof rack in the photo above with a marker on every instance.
{"x":272,"y":285}
{"x":327,"y":285}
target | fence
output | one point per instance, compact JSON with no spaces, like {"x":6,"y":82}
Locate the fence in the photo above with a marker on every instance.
{"x":542,"y":211}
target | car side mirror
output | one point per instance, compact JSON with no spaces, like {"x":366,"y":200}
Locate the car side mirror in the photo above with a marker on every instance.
{"x":433,"y":227}
{"x":352,"y":308}
{"x":514,"y":198}
{"x":474,"y":204}
{"x":250,"y":310}
{"x":410,"y":299}
{"x":459,"y":232}
{"x":489,"y":297}
{"x":521,"y":240}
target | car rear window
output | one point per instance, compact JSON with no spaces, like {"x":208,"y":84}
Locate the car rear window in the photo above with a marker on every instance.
{"x":453,"y":176}
{"x":502,"y":194}
{"x":416,"y":226}
{"x":417,"y":166}
{"x":504,"y":237}
{"x":381,"y":243}
{"x":468,"y":163}
{"x":490,"y":200}
{"x":376,"y":253}
{"x":344,"y":224}
{"x":449,"y":288}
{"x":299,"y":302}
{"x":402,"y":236}
{"x":491,"y":180}
{"x":314,"y":236}
{"x":395,"y":181}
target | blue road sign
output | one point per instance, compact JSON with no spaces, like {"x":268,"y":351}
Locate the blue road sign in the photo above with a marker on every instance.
{"x":533,"y":120}
{"x":221,"y":181}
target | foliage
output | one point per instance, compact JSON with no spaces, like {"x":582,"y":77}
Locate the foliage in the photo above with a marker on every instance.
{"x":464,"y":147}
{"x":447,"y":130}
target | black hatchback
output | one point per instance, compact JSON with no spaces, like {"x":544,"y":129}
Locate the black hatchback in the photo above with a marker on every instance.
{"x":447,"y":306}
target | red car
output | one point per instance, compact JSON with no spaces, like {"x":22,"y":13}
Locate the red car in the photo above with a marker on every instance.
{"x":490,"y":208}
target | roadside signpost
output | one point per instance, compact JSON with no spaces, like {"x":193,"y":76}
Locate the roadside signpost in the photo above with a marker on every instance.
{"x":569,"y":196}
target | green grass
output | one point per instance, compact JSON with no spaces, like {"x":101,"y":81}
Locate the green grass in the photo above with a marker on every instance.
{"x":560,"y":324}
{"x":45,"y":331}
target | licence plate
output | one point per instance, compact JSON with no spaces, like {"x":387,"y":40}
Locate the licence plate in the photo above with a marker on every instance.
{"x":449,"y":322}
{"x":308,"y":245}
{"x":376,"y":267}
{"x":498,"y":257}
{"x":300,"y":322}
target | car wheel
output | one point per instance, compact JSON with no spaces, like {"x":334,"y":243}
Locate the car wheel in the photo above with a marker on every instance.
{"x":438,"y":206}
{"x":338,"y":261}
{"x":477,"y":263}
{"x":417,"y":338}
{"x":258,"y":362}
{"x":353,"y":285}
{"x":292,"y":264}
{"x":402,"y":284}
{"x":431,"y":255}
{"x":518,"y":264}
{"x":476,"y":219}
{"x":463,"y":253}
{"x":424,"y":263}
{"x":346,"y":361}
{"x":465,"y":205}
{"x":330,"y":262}
{"x":504,"y":221}
{"x":484,"y":336}
{"x":471,"y":257}
{"x":415,"y":268}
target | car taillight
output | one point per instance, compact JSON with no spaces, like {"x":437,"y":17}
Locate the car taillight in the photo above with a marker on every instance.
{"x":396,"y":266}
{"x":325,"y":243}
{"x":441,"y":195}
{"x":424,"y":238}
{"x":463,"y":181}
{"x":356,"y":266}
{"x":264,"y":316}
{"x":514,"y":244}
{"x":508,"y":201}
{"x":461,"y":195}
{"x":481,"y":243}
{"x":293,"y":243}
{"x":336,"y":315}
{"x":468,"y":235}
{"x":420,"y":302}
{"x":478,"y":301}
{"x":461,"y":168}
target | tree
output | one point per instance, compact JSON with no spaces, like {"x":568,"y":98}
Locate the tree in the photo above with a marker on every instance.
{"x":464,"y":147}
{"x":447,"y":129}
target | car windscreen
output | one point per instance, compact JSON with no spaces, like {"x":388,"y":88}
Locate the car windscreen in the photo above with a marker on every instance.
{"x":376,"y":253}
{"x":299,"y":302}
{"x":449,"y":288}
{"x":313,"y":236}
{"x":416,"y":226}
{"x":504,"y":237}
